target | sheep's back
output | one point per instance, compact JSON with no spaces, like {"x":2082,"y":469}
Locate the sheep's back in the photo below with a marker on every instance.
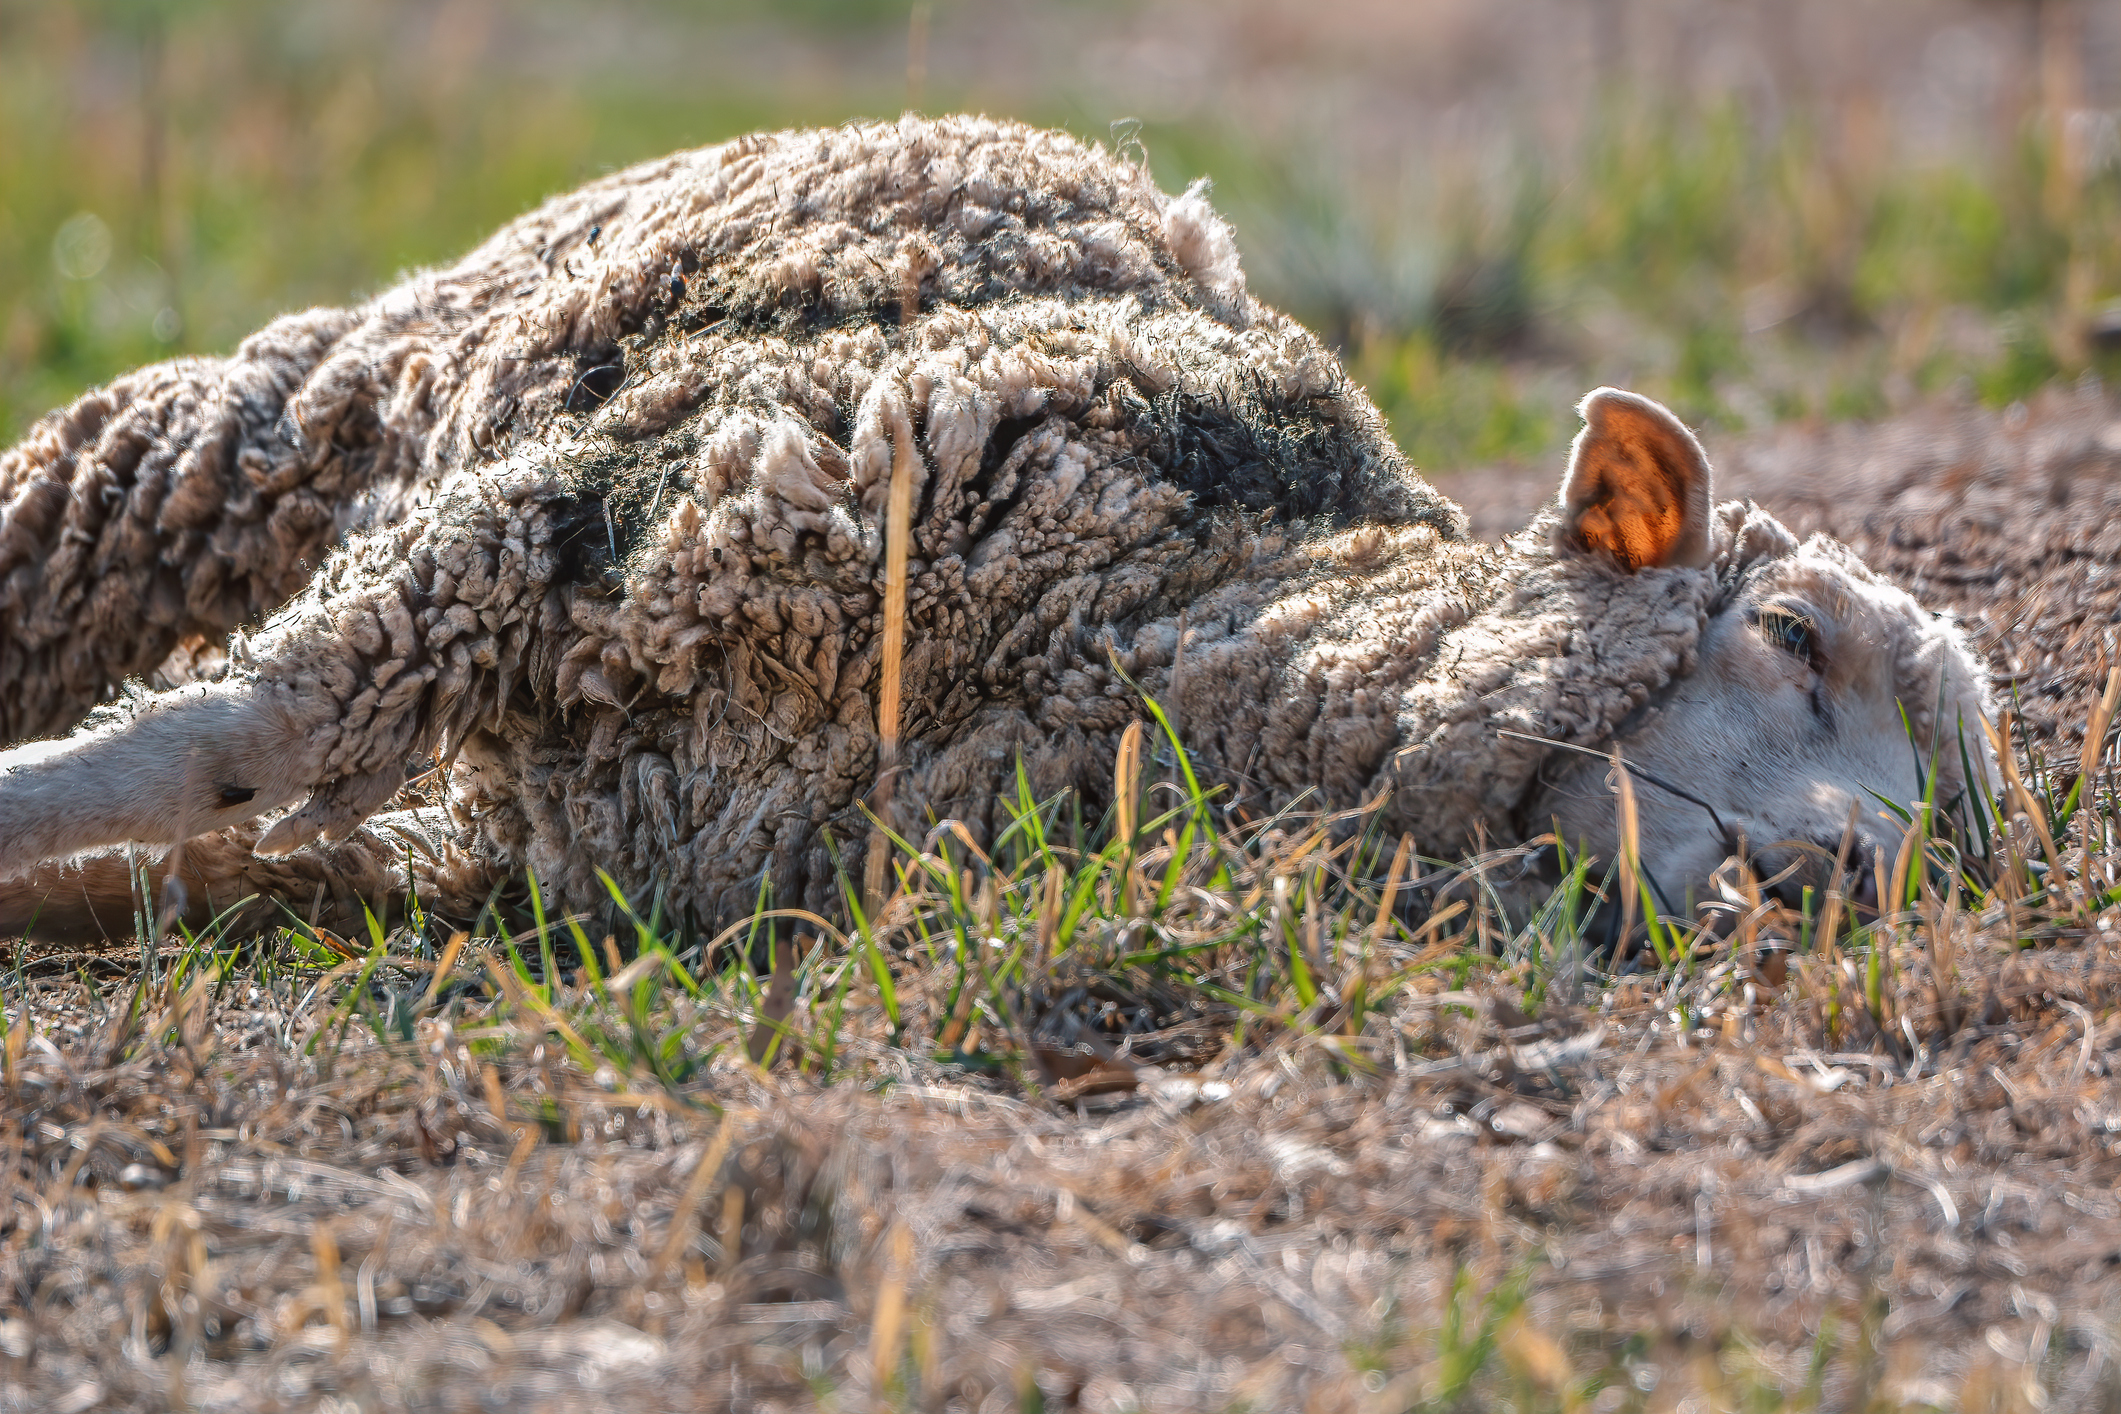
{"x":623,"y":296}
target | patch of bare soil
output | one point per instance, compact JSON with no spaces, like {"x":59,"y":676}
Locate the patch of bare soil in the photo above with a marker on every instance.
{"x":259,"y":1207}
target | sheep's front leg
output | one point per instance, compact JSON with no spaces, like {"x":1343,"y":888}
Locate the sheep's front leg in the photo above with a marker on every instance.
{"x":185,"y":763}
{"x":201,"y":759}
{"x":409,"y":637}
{"x":97,"y":896}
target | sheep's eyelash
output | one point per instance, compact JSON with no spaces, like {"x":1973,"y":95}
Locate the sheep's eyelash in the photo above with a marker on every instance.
{"x":1793,"y":632}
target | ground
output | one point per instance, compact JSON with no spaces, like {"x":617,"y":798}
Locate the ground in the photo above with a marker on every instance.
{"x":1174,"y":1122}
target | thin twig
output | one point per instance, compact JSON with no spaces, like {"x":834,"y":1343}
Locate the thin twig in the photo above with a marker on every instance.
{"x":1633,"y":768}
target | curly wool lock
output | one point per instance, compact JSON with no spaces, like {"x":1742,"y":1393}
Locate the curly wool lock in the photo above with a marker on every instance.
{"x":612,"y":500}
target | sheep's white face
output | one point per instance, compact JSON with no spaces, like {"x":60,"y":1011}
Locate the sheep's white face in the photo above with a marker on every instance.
{"x":1799,"y":711}
{"x":1791,"y":719}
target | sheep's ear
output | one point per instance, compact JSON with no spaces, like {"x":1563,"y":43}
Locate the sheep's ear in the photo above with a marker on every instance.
{"x":1637,"y":485}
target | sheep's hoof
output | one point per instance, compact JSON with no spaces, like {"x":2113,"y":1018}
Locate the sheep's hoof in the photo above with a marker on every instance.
{"x":334,"y":811}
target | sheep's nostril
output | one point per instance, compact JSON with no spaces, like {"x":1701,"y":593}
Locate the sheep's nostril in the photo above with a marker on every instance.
{"x":1789,"y":886}
{"x":1544,"y":864}
{"x":1857,"y":882}
{"x":1863,"y":889}
{"x":1601,"y":930}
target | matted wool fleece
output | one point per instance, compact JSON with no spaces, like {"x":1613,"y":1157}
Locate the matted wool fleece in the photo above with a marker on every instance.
{"x":609,"y":496}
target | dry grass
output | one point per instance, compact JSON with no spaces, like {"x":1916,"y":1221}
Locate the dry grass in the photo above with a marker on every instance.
{"x":1188,"y":1120}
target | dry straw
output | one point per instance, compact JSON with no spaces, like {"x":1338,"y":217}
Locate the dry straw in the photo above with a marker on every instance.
{"x":1630,"y":845}
{"x":686,"y":1214}
{"x":898,"y":532}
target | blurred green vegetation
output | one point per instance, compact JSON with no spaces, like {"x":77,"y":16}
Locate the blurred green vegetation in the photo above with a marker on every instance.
{"x":171,"y":176}
{"x":1743,"y":277}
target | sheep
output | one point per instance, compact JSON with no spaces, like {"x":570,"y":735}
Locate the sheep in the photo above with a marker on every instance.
{"x":2006,"y":518}
{"x":613,"y":518}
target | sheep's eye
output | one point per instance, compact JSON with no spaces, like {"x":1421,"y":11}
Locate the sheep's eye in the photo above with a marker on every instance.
{"x":1792,"y":632}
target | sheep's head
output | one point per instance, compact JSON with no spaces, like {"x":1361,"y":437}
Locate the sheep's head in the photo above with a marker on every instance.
{"x":1816,"y":693}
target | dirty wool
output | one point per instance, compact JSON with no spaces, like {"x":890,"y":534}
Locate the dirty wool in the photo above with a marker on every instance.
{"x":613,"y":502}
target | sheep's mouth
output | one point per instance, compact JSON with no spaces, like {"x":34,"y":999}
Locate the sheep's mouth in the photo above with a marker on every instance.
{"x":1795,"y":883}
{"x":1792,"y":877}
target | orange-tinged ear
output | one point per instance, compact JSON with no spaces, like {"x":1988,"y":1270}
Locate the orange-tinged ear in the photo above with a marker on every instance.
{"x":1637,"y":485}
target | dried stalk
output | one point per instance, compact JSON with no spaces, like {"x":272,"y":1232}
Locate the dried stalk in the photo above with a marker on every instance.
{"x":898,"y":531}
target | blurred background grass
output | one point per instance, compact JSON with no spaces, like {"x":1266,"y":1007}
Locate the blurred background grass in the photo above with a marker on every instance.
{"x":1759,"y":210}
